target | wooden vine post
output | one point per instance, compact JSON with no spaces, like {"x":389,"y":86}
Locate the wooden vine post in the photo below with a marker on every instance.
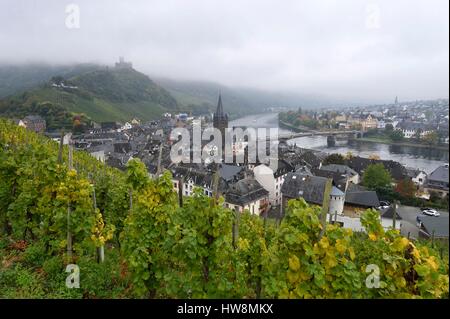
{"x":69,"y":231}
{"x":325,"y":206}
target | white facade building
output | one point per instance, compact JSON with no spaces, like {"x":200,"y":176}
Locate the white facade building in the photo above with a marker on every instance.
{"x":272,"y":181}
{"x":337,"y":199}
{"x":420,"y":178}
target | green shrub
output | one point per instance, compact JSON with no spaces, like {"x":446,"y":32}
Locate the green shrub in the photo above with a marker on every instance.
{"x":34,"y":255}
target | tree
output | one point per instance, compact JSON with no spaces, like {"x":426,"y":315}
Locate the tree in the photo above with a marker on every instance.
{"x":376,"y":177}
{"x":418,"y":134}
{"x":389,"y":127}
{"x":396,"y":136}
{"x":372,"y":132}
{"x":431,"y":138}
{"x":406,"y":188}
{"x":334,"y":158}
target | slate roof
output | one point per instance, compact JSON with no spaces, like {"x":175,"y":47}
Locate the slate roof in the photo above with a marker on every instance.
{"x":294,"y":160}
{"x":200,"y":178}
{"x":359,"y":164}
{"x":389,"y":213}
{"x":107,"y":148}
{"x":245,"y":191}
{"x":122,"y":147}
{"x":438,"y":224}
{"x":360,"y":197}
{"x":341,"y":169}
{"x":338,"y":179}
{"x":336,"y":192}
{"x":311,"y":188}
{"x":304,"y":170}
{"x":33,"y":119}
{"x":229,"y":172}
{"x":413,"y":126}
{"x":283,"y":168}
{"x":311,"y":159}
{"x":440,"y":174}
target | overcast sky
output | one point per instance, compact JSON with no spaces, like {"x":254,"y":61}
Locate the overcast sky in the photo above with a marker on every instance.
{"x":356,"y":49}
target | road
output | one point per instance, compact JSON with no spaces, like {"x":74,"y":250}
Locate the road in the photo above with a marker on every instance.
{"x":409,"y":224}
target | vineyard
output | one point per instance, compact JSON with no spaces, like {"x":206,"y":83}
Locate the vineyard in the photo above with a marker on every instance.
{"x":131,"y":238}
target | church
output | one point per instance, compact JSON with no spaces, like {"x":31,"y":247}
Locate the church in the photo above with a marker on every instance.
{"x":220,"y":120}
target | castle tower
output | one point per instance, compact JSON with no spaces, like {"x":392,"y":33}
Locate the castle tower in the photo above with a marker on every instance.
{"x":122,"y":64}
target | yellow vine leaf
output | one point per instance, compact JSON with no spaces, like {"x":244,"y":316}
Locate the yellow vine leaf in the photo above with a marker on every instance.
{"x":400,"y":244}
{"x":293,"y":277}
{"x":340,"y":246}
{"x":294,"y":263}
{"x":352,"y":253}
{"x":432,"y":262}
{"x":324,"y":243}
{"x":416,"y":253}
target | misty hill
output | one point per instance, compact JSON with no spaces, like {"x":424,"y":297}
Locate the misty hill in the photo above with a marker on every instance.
{"x":202,"y":96}
{"x":105,"y":94}
{"x":19,"y":78}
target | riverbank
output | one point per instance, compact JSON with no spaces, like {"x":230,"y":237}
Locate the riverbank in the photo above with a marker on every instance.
{"x":291,"y":127}
{"x":389,"y":142}
{"x":415,"y":157}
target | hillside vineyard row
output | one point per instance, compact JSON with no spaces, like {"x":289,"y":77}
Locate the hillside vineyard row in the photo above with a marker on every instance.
{"x":70,"y":209}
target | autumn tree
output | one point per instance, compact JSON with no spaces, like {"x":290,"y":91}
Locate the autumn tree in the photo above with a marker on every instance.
{"x":431,"y":138}
{"x":334,"y":158}
{"x":406,"y":188}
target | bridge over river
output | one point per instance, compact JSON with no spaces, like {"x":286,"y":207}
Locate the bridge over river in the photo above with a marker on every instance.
{"x":331,"y":135}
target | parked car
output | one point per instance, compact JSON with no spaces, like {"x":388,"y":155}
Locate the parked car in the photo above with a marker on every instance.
{"x":384,"y":204}
{"x":431,"y":213}
{"x":429,"y":209}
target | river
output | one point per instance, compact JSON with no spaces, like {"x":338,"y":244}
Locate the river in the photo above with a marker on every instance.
{"x":415,"y":157}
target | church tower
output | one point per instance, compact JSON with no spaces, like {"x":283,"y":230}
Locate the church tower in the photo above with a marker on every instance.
{"x":220,"y":120}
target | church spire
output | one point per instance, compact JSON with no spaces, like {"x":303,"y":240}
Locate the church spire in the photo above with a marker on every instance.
{"x":220,"y":119}
{"x":219,"y":111}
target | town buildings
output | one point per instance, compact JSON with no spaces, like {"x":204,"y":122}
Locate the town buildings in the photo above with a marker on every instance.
{"x":438,"y":181}
{"x":257,"y":187}
{"x":34,"y":123}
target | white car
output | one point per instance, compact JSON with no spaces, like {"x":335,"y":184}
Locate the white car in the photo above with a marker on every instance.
{"x":431,"y":212}
{"x":383,"y":205}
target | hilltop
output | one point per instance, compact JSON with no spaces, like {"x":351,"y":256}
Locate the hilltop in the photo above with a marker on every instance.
{"x":102,"y":94}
